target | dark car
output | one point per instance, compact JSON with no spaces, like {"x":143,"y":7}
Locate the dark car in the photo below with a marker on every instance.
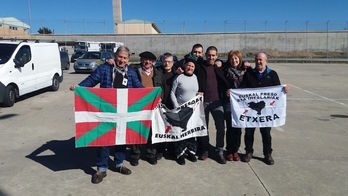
{"x":64,"y":60}
{"x":90,"y":61}
{"x":76,"y":55}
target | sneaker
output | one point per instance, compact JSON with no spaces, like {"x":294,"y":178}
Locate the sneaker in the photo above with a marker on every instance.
{"x":134,"y":162}
{"x":221,"y":159}
{"x":152,"y":161}
{"x":248,"y":156}
{"x":181,"y":160}
{"x":269,"y":160}
{"x":236,"y":156}
{"x":191,"y":157}
{"x":98,"y":177}
{"x":230,"y":157}
{"x":123,"y":170}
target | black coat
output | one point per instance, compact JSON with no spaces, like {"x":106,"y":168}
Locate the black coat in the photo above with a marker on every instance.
{"x":269,"y":78}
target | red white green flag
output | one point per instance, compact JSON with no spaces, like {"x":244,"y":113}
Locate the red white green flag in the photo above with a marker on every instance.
{"x":110,"y":116}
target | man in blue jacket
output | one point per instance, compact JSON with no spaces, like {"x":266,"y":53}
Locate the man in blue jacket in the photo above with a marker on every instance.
{"x":113,"y":74}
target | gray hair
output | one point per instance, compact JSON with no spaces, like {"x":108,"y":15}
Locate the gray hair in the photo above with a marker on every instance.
{"x":122,"y":49}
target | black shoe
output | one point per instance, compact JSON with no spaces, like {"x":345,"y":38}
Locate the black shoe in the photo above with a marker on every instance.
{"x":248,"y":156}
{"x":159,"y":156}
{"x":203,"y":156}
{"x":123,"y":170}
{"x":98,"y":177}
{"x":269,"y":160}
{"x":181,"y":160}
{"x":152,"y":161}
{"x":134,"y":162}
{"x":221,"y":159}
{"x":191,"y":157}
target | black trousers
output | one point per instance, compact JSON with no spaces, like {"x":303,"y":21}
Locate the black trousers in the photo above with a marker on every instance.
{"x":149,"y":148}
{"x":185,"y":146}
{"x":217,"y":111}
{"x":233,"y":135}
{"x":266,"y":140}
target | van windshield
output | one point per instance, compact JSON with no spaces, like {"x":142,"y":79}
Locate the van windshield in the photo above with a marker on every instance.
{"x":6,"y":51}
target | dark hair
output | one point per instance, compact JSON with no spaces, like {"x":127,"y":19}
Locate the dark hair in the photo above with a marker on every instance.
{"x":211,"y":48}
{"x":166,"y":55}
{"x":196,"y":46}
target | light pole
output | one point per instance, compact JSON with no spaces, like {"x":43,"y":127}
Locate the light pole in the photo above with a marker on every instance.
{"x":29,"y":13}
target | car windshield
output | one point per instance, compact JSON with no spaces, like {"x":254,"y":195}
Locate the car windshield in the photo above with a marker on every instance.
{"x":6,"y":51}
{"x":91,"y":55}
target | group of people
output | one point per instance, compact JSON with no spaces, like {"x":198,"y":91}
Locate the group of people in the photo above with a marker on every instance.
{"x":181,"y":81}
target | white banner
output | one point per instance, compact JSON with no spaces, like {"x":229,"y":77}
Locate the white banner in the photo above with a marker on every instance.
{"x":258,"y":107}
{"x":186,"y":121}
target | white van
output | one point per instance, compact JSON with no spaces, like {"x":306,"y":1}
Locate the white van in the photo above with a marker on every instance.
{"x":26,"y":67}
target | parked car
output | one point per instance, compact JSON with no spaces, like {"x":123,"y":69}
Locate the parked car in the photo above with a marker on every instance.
{"x":26,"y":67}
{"x":64,"y":60}
{"x":76,"y":55}
{"x":90,"y":61}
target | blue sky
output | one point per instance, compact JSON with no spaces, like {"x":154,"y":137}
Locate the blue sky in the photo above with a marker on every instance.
{"x":87,"y":16}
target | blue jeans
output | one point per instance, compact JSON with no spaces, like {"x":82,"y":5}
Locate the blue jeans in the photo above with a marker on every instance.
{"x":103,"y":157}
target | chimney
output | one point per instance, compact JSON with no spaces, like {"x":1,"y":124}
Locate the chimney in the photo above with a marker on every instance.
{"x":117,"y":12}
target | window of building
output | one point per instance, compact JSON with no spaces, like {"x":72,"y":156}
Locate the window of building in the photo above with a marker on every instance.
{"x":13,"y":28}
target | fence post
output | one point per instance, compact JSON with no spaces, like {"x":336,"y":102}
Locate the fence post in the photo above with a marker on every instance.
{"x":327,"y":41}
{"x":286,"y":41}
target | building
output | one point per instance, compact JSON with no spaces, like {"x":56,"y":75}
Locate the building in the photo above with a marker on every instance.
{"x":12,"y":27}
{"x":131,"y":26}
{"x":137,"y":27}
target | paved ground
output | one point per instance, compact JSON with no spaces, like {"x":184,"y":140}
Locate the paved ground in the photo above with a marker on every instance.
{"x":37,"y":155}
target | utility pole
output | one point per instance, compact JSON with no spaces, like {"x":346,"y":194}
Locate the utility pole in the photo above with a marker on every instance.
{"x":29,"y":13}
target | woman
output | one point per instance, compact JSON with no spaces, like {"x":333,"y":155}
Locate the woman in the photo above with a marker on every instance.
{"x":234,"y":69}
{"x":184,"y":88}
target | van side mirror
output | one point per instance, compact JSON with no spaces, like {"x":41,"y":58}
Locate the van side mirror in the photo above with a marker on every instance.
{"x":18,"y":63}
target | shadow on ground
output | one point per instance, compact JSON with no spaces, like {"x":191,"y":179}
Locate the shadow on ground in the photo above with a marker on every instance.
{"x":59,"y":155}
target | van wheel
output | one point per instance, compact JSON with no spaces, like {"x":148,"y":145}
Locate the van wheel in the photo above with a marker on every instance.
{"x":55,"y":83}
{"x":10,"y":96}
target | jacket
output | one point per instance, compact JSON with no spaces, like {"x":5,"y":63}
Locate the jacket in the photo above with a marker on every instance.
{"x":269,"y":78}
{"x":103,"y":75}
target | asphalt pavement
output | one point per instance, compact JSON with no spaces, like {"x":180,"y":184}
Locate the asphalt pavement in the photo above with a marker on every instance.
{"x":38,"y":157}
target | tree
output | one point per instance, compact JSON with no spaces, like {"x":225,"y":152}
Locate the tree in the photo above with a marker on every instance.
{"x":45,"y":30}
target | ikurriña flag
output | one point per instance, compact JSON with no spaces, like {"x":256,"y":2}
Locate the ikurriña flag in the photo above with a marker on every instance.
{"x":258,"y":107}
{"x":110,"y":116}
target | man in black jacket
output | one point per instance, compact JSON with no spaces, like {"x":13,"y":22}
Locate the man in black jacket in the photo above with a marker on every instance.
{"x":260,"y":76}
{"x":211,"y":81}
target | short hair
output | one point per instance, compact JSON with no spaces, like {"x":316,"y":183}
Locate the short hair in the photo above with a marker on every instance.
{"x":211,"y":48}
{"x":196,"y":46}
{"x":261,"y":53}
{"x":236,"y":53}
{"x":166,"y":55}
{"x":122,"y":49}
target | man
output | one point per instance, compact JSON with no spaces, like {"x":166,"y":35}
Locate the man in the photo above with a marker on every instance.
{"x":113,"y":74}
{"x":196,"y":53}
{"x":167,"y":79}
{"x":260,"y":76}
{"x":211,"y":79}
{"x":149,"y":77}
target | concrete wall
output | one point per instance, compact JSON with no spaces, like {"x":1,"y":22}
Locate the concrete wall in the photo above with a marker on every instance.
{"x":182,"y":43}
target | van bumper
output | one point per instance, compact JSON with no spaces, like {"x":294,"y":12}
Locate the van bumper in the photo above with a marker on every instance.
{"x":2,"y":92}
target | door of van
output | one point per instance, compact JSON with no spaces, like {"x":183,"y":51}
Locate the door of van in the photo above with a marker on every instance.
{"x":23,"y":70}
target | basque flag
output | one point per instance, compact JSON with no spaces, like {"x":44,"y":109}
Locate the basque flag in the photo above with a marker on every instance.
{"x":110,"y":116}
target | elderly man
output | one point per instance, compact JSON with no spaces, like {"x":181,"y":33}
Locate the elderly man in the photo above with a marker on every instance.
{"x":113,"y":74}
{"x":149,"y":77}
{"x":260,"y":76}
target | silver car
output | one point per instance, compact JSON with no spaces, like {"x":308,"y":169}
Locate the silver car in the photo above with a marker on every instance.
{"x":89,"y":61}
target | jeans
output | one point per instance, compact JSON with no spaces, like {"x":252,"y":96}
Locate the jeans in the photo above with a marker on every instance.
{"x":217,"y":111}
{"x":149,"y":148}
{"x":103,"y":157}
{"x":266,"y":140}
